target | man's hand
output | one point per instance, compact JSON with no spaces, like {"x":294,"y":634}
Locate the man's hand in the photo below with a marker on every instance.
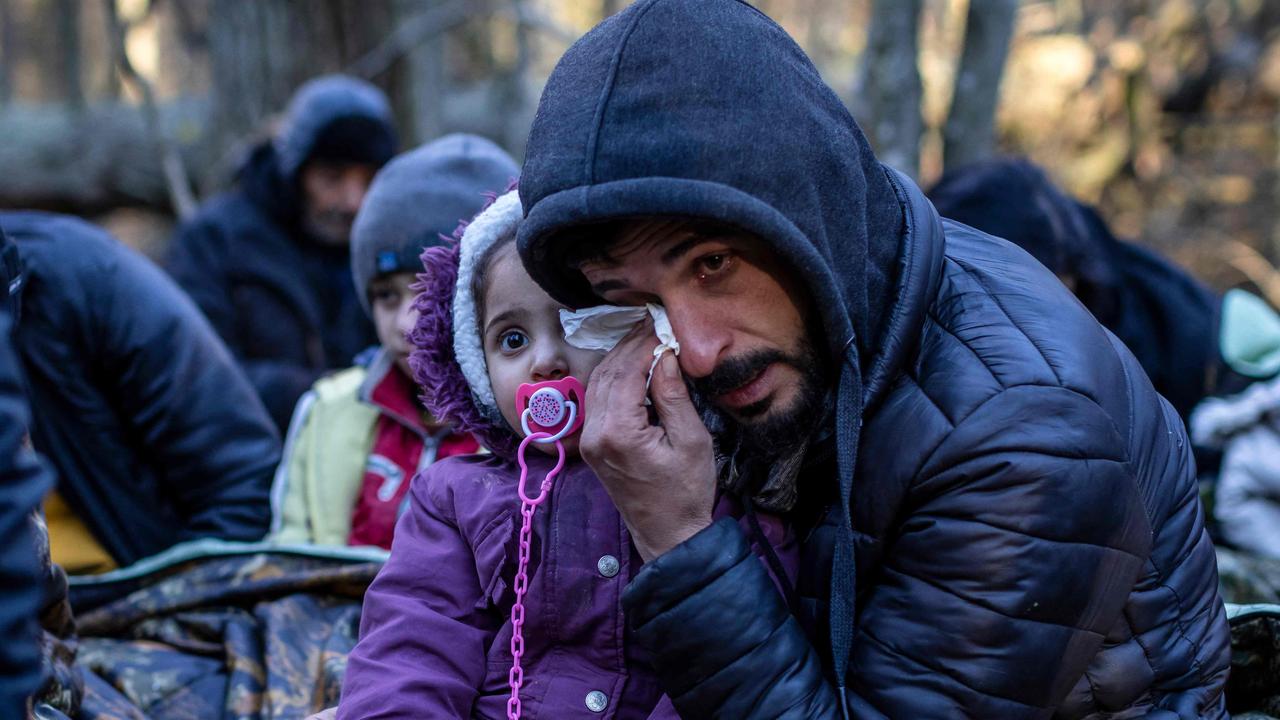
{"x":662,"y":478}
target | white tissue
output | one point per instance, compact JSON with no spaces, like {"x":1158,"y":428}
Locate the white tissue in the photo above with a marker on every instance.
{"x":603,"y":326}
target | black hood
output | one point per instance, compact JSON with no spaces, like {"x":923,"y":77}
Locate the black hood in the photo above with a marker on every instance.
{"x":260,"y":179}
{"x":1013,"y":199}
{"x":708,"y":109}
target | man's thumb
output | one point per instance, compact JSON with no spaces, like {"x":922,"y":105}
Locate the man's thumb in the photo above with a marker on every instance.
{"x":671,"y":398}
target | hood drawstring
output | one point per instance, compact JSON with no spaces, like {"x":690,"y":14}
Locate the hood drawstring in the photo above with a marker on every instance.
{"x":770,"y":554}
{"x":843,"y":566}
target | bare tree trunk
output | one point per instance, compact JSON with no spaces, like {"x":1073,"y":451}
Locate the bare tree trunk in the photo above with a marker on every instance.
{"x":249,"y":52}
{"x":262,"y":50}
{"x":419,"y":39}
{"x":181,"y":199}
{"x":8,"y":53}
{"x":518,"y":105}
{"x":969,"y":133}
{"x":67,"y":14}
{"x":86,"y":163}
{"x":889,"y":90}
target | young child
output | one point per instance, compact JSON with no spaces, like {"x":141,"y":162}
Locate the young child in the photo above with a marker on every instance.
{"x":435,"y":633}
{"x":360,"y":435}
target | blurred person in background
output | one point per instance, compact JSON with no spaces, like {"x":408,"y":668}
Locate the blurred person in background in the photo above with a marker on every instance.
{"x":268,"y":261}
{"x":23,"y":482}
{"x":360,"y":435}
{"x":156,"y":435}
{"x":1245,"y":428}
{"x":1168,"y":319}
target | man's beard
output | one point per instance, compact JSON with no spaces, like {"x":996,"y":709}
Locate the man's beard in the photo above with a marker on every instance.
{"x":761,"y":430}
{"x":330,"y":227}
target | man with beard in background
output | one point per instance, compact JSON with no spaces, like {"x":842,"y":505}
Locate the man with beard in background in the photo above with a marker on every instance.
{"x":268,"y":262}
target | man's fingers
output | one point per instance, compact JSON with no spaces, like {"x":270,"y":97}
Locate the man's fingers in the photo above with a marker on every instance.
{"x":671,"y":400}
{"x":617,"y":386}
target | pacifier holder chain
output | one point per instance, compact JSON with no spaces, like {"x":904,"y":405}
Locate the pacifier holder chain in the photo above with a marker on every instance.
{"x":547,"y":406}
{"x":515,"y":678}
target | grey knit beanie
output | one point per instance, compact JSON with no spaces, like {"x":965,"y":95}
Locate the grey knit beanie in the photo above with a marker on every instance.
{"x":419,"y":198}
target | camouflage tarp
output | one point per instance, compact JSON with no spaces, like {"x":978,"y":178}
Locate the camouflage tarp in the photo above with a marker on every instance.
{"x":1251,"y":587}
{"x":220,"y":631}
{"x":1253,"y":690}
{"x":225,"y":630}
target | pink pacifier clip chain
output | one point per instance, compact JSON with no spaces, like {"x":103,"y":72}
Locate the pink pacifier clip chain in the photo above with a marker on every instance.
{"x":527,"y":506}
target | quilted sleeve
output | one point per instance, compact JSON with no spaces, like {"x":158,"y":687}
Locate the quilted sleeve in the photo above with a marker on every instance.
{"x":1023,"y":536}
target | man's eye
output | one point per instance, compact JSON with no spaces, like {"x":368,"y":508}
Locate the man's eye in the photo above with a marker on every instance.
{"x":512,"y":340}
{"x":714,"y":264}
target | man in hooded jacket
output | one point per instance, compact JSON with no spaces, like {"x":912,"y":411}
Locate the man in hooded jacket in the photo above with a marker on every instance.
{"x":997,"y":514}
{"x":268,"y":261}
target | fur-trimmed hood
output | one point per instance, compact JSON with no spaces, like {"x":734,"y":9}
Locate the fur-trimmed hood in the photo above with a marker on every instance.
{"x":448,"y":349}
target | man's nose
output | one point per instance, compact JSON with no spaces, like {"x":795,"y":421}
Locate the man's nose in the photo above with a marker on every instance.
{"x":704,"y":338}
{"x":353,"y":192}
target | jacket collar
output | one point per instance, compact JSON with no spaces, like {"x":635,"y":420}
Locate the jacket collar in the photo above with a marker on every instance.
{"x":393,"y":394}
{"x":919,"y":275}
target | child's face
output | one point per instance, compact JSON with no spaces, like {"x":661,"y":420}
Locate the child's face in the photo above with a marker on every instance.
{"x":523,"y":339}
{"x":393,"y":314}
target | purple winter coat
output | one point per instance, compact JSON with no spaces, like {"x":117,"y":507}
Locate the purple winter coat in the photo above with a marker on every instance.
{"x":435,"y":632}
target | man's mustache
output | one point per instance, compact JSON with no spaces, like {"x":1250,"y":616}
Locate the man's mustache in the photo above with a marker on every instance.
{"x":336,"y":217}
{"x":735,"y":372}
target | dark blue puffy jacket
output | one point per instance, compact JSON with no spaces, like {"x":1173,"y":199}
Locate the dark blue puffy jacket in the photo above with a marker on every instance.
{"x":155,"y":433}
{"x":1010,"y":527}
{"x":23,"y":483}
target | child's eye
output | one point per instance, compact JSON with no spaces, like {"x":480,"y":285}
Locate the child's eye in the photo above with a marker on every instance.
{"x":383,"y":295}
{"x":512,"y":340}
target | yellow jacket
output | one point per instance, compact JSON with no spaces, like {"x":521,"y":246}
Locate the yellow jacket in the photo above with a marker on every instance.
{"x":325,"y":451}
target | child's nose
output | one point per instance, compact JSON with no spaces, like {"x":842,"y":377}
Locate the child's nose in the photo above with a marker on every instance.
{"x":549,"y":363}
{"x":406,"y":317}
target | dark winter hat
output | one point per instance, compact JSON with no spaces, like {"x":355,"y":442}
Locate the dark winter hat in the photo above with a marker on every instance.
{"x":338,"y":118}
{"x":419,"y":198}
{"x":1013,"y":199}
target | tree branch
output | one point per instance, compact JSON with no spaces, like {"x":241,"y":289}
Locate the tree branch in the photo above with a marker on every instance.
{"x":442,"y":18}
{"x":175,"y":173}
{"x":412,"y":32}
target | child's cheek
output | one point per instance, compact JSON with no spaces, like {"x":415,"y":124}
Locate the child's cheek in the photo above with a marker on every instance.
{"x":583,"y":362}
{"x":506,"y":377}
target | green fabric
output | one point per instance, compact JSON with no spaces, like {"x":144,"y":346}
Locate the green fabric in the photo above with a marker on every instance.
{"x":1249,"y":335}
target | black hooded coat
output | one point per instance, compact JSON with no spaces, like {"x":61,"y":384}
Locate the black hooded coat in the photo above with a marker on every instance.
{"x":154,"y":432}
{"x":1010,"y":527}
{"x":1167,"y":318}
{"x":23,"y":484}
{"x":283,"y":302}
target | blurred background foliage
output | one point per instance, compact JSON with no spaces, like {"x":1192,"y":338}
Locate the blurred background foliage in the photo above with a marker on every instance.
{"x":1163,"y":113}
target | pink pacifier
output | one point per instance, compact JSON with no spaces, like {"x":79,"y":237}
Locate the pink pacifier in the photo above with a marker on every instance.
{"x":551,"y":408}
{"x":550,"y":411}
